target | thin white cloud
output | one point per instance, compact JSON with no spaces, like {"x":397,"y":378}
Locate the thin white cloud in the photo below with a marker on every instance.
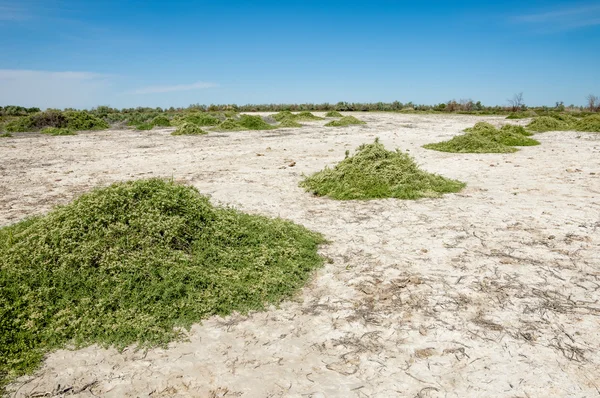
{"x":47,"y":89}
{"x":173,"y":88}
{"x":563,"y":19}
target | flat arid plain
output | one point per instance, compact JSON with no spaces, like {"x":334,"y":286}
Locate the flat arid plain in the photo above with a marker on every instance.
{"x":493,"y":291}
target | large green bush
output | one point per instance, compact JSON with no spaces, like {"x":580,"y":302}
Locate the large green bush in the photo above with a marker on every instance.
{"x":133,"y":262}
{"x":373,"y":172}
{"x":81,"y":120}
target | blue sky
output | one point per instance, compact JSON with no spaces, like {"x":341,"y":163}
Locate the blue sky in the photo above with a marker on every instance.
{"x":66,"y":53}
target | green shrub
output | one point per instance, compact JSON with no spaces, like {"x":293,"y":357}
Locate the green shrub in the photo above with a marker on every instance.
{"x":198,"y":118}
{"x":251,"y":122}
{"x":137,"y":118}
{"x":81,"y":120}
{"x":189,"y":129}
{"x":144,"y":126}
{"x":344,"y":121}
{"x":283,"y":115}
{"x":470,"y":143}
{"x":161,"y":121}
{"x":481,"y":127}
{"x":513,"y":128}
{"x":373,"y":172}
{"x":229,"y":125}
{"x":288,"y":122}
{"x":589,"y":123}
{"x":57,"y":131}
{"x":49,"y":118}
{"x":333,"y":114}
{"x":547,"y":123}
{"x":306,"y":116}
{"x":132,"y":263}
{"x":20,"y":125}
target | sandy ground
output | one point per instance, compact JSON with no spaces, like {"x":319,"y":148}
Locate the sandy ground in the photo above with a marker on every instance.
{"x":492,"y":292}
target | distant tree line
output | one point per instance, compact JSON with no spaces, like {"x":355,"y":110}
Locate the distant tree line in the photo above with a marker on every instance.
{"x":515,"y":104}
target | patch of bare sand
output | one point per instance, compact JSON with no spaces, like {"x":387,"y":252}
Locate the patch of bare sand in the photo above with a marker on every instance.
{"x":490,"y":292}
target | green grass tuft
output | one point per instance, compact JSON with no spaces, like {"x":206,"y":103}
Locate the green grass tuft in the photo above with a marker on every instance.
{"x":144,"y":126}
{"x":470,"y":143}
{"x":198,"y":118}
{"x":130,"y":263}
{"x":161,"y":121}
{"x":374,"y":172}
{"x":252,"y":122}
{"x":229,"y":125}
{"x":81,"y":120}
{"x":58,"y":131}
{"x":189,"y":129}
{"x":288,"y":122}
{"x":345,"y":121}
{"x":333,"y":114}
{"x":589,"y":124}
{"x":548,"y":123}
{"x":306,"y":116}
{"x":283,"y":115}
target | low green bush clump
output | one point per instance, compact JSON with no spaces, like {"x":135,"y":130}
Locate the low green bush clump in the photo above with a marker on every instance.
{"x":470,"y":143}
{"x":161,"y":121}
{"x":133,"y":263}
{"x":344,"y":121}
{"x":198,"y":118}
{"x":6,"y":135}
{"x":283,"y":115}
{"x":485,"y":138}
{"x":20,"y":125}
{"x":189,"y":129}
{"x":288,"y":122}
{"x":252,"y":122}
{"x":144,"y":126}
{"x":307,"y":116}
{"x":229,"y":125}
{"x":374,"y":172}
{"x":548,"y":123}
{"x":589,"y":124}
{"x":58,"y":131}
{"x":333,"y":114}
{"x":81,"y":120}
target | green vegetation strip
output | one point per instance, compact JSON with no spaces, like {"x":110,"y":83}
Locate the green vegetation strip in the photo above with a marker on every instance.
{"x":57,"y":131}
{"x":345,"y":121}
{"x":374,"y":172}
{"x":485,"y":138}
{"x":189,"y":129}
{"x":133,"y":262}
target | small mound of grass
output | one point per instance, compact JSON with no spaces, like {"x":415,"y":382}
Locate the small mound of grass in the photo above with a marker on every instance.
{"x":132,"y":263}
{"x":161,"y":121}
{"x":144,"y":126}
{"x":513,"y":128}
{"x":547,"y":123}
{"x":333,"y":114}
{"x":481,"y":127}
{"x":283,"y":115}
{"x":189,"y":129}
{"x":564,"y":118}
{"x":344,"y":121}
{"x":508,"y":135}
{"x":229,"y":125}
{"x":306,"y":116}
{"x":374,"y":172}
{"x":589,"y":124}
{"x":81,"y":120}
{"x":198,"y":118}
{"x":288,"y":122}
{"x":470,"y":143}
{"x":252,"y":122}
{"x":58,"y":131}
{"x":5,"y":135}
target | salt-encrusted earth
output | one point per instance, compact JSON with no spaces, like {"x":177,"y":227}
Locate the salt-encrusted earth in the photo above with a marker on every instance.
{"x":494,"y":291}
